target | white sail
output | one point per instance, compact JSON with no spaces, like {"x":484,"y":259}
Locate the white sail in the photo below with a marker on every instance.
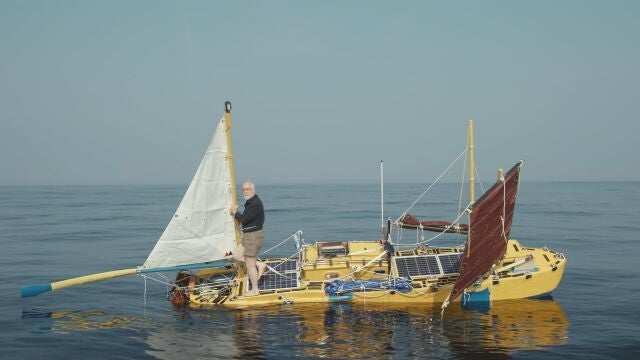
{"x":201,"y":229}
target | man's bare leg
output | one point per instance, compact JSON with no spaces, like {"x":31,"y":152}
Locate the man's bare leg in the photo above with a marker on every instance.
{"x":238,"y":253}
{"x":252,"y":271}
{"x":262,"y":267}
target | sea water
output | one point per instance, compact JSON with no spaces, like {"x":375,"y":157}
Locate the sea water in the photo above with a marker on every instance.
{"x":50,"y":233}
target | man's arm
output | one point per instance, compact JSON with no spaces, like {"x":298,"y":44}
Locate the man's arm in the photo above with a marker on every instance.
{"x":250,"y":213}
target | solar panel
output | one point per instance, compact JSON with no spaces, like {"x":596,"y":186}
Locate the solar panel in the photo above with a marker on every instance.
{"x":450,"y":263}
{"x":287,"y":276}
{"x":428,"y":265}
{"x":421,"y":265}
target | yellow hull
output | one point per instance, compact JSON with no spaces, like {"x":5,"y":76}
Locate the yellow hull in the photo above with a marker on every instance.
{"x":522,"y":273}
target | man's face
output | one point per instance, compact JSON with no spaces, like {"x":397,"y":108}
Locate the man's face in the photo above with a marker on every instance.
{"x":247,"y":191}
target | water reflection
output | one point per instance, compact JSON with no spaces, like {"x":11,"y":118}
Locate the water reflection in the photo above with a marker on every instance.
{"x":69,"y":321}
{"x":361,"y":331}
{"x":508,"y":326}
{"x":334,"y":331}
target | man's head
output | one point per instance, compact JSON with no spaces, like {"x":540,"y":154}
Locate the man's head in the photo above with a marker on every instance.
{"x":248,"y":189}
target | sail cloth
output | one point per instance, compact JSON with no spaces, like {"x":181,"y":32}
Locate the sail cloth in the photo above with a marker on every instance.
{"x":489,"y":227}
{"x":201,"y":230}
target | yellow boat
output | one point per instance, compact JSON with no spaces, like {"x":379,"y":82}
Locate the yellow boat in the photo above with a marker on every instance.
{"x":200,"y":237}
{"x":522,"y":273}
{"x":372,"y":272}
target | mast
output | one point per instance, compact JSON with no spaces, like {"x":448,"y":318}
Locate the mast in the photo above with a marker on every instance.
{"x":234,"y":196}
{"x":472,"y":195}
{"x":472,"y":190}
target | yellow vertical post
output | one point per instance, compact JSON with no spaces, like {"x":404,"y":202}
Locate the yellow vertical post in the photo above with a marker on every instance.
{"x":472,"y":194}
{"x":234,"y":196}
{"x":472,"y":172}
{"x":237,"y":289}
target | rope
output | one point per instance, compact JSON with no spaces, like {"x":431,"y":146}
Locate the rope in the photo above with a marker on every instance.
{"x":430,"y":186}
{"x":464,"y":172}
{"x":448,"y":227}
{"x":154,"y":279}
{"x":198,"y":287}
{"x":479,"y":181}
{"x":361,"y":268}
{"x":454,"y":222}
{"x":165,"y":280}
{"x":365,"y":251}
{"x":364,"y":295}
{"x":504,"y":208}
{"x":282,"y":262}
{"x":282,"y":242}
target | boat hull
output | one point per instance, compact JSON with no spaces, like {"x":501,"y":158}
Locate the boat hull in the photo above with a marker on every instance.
{"x":522,"y":273}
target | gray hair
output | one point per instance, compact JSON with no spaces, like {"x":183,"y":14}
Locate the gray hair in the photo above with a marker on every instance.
{"x":251,"y":185}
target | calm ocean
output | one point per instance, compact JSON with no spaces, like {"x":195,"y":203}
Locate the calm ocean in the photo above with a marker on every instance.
{"x":50,"y":233}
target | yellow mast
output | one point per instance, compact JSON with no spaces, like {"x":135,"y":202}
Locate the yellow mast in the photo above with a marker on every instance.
{"x":236,"y":290}
{"x":234,"y":196}
{"x":472,"y":195}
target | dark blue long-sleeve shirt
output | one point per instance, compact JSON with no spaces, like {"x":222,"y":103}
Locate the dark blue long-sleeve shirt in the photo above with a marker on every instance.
{"x":252,"y":218}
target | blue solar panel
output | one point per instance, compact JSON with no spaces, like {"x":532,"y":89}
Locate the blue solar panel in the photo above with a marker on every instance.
{"x":287,"y":276}
{"x":450,"y":263}
{"x":412,"y":266}
{"x":428,"y":265}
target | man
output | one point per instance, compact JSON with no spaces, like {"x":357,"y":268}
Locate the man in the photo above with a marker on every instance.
{"x":252,"y":235}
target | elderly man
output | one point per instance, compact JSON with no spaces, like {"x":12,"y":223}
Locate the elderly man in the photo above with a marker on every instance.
{"x":252,"y":220}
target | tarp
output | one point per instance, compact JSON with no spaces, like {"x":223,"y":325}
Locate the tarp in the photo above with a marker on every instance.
{"x":343,"y":287}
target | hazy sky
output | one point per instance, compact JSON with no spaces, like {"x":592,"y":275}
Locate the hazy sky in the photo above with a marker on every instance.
{"x":128,"y":92}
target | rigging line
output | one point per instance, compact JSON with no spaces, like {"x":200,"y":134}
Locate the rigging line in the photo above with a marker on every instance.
{"x":478,"y":177}
{"x":430,"y":186}
{"x":420,"y":292}
{"x":363,"y":294}
{"x":377,"y":258}
{"x":282,"y":262}
{"x":365,"y":251}
{"x":282,"y":242}
{"x":208,"y":279}
{"x":154,"y":279}
{"x":445,"y":229}
{"x":504,"y":208}
{"x":448,"y":227}
{"x":279,"y":273}
{"x":464,"y":173}
{"x":399,"y":232}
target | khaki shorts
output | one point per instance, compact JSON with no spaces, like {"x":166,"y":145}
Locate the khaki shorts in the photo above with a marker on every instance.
{"x":252,"y":242}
